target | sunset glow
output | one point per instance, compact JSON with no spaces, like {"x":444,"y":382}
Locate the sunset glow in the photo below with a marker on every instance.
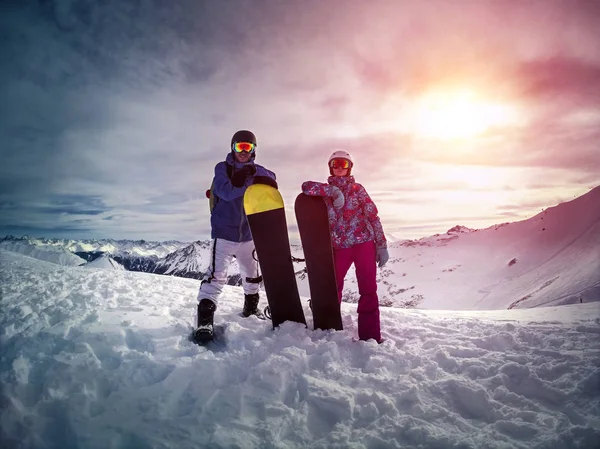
{"x":470,"y":113}
{"x":459,"y":114}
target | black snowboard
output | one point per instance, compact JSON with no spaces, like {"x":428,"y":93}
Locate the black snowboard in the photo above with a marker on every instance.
{"x":313,"y":224}
{"x":266,"y":215}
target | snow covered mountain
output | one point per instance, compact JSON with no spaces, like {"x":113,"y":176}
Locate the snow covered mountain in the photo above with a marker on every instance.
{"x":190,"y":261}
{"x":133,"y":255}
{"x":552,"y":258}
{"x":59,"y":255}
{"x":141,"y":248}
{"x":172,"y":258}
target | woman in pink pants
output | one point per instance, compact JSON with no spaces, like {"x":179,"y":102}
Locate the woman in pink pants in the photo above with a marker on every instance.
{"x":356,"y":235}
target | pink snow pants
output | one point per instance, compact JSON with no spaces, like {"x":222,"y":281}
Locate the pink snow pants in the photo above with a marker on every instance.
{"x":364,"y":257}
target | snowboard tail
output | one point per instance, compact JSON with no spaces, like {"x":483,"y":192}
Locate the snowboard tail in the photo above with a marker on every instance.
{"x":313,"y":224}
{"x":266,"y":216}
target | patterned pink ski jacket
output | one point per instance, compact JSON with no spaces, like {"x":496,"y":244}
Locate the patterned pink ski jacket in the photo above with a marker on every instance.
{"x":356,"y":222}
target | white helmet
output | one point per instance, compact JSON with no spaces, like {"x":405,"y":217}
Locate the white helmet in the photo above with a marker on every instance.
{"x":341,"y":154}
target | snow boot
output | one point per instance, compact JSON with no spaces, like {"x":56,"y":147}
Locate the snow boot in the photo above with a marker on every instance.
{"x":205,"y":329}
{"x":251,"y":306}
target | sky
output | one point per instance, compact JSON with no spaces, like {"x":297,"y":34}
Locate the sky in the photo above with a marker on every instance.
{"x":114,"y":113}
{"x":93,"y":358}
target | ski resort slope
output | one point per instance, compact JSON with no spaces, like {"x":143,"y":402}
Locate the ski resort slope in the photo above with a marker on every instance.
{"x":552,"y":258}
{"x":95,"y":358}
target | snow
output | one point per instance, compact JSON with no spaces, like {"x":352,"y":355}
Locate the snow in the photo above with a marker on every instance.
{"x":105,"y":262}
{"x":58,"y":256}
{"x":556,"y":261}
{"x":113,"y":247}
{"x":192,"y":258}
{"x":96,"y":358}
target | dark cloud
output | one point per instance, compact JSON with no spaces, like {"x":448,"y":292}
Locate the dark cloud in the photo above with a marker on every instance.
{"x":560,"y":78}
{"x":50,"y":231}
{"x":124,"y":41}
{"x":70,"y":211}
{"x":53,"y":212}
{"x":74,"y":204}
{"x":113,"y":217}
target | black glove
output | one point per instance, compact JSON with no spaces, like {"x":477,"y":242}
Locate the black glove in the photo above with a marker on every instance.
{"x":238,"y":179}
{"x":267,"y":180}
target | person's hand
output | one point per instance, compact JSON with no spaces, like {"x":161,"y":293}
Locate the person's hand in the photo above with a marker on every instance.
{"x":382,"y":257}
{"x":267,"y":180}
{"x":239,"y":177}
{"x":338,"y":198}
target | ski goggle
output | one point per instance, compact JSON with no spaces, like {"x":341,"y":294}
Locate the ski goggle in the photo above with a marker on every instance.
{"x":240,"y":147}
{"x":339,"y":163}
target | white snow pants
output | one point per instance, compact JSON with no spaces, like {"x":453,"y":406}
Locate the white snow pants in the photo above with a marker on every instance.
{"x":222,"y":253}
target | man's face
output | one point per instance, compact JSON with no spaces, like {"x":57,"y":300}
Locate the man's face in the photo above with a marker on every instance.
{"x":243,"y":157}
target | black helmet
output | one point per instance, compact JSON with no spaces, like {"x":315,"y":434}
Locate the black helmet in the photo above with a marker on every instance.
{"x":243,"y":136}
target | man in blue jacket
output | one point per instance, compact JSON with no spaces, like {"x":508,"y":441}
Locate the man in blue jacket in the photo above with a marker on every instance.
{"x":231,"y":232}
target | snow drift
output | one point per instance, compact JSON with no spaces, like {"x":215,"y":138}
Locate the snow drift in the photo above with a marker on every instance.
{"x":99,"y":358}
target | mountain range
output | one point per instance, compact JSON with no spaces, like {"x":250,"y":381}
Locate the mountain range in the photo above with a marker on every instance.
{"x":549,"y":259}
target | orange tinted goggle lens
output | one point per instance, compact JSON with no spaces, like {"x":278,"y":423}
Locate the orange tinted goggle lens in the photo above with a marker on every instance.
{"x":240,"y":147}
{"x":339,"y":163}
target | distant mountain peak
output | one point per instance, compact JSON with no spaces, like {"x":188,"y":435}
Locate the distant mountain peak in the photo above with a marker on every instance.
{"x":458,"y":229}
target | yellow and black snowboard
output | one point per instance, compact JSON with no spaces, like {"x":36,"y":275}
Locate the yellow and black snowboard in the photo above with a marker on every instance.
{"x":266,"y":215}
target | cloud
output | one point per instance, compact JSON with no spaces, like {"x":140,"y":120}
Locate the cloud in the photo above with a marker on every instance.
{"x":114,"y":125}
{"x":409,"y":49}
{"x":560,"y":76}
{"x":74,"y":204}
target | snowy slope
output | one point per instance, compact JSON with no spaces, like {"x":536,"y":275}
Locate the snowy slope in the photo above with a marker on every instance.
{"x":105,"y":262}
{"x":55,"y":255}
{"x":556,"y":254}
{"x":98,"y":359}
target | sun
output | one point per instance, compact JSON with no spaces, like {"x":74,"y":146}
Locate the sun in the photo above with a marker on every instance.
{"x":458,"y":114}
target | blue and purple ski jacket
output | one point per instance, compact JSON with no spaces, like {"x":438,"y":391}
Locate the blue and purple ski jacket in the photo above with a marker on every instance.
{"x":228,"y":219}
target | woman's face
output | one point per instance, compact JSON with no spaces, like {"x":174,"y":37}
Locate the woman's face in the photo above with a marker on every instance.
{"x":340,"y":171}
